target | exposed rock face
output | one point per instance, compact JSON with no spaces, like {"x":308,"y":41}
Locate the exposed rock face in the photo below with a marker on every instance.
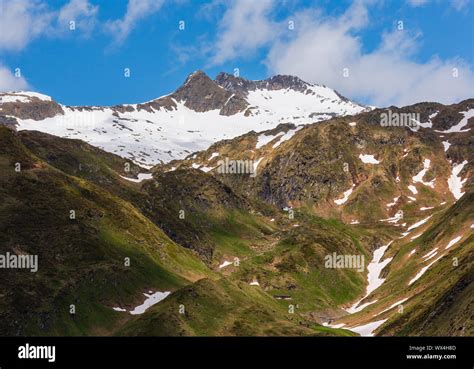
{"x":122,"y":108}
{"x":8,"y":121}
{"x":242,"y":86}
{"x":165,"y":102}
{"x":200,"y":94}
{"x":450,"y":116}
{"x":237,"y":85}
{"x":35,"y":108}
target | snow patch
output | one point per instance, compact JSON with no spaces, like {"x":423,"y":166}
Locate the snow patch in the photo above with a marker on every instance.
{"x":368,"y":159}
{"x":417,"y":224}
{"x":393,"y":305}
{"x":224,"y":264}
{"x":213,"y":155}
{"x":458,"y":128}
{"x":141,"y":177}
{"x":395,"y":219}
{"x":455,"y":183}
{"x":354,"y":309}
{"x":373,"y":274}
{"x":423,"y":271}
{"x":419,"y":177}
{"x":206,"y":169}
{"x":446,"y":145}
{"x":345,"y":197}
{"x":413,"y":189}
{"x":263,"y":139}
{"x":14,"y":99}
{"x":368,"y":329}
{"x":286,"y":136}
{"x":430,"y":254}
{"x":151,"y":299}
{"x":395,"y":200}
{"x":453,"y":241}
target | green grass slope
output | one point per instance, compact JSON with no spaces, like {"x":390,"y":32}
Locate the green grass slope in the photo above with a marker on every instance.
{"x":82,"y":260}
{"x":222,"y":308}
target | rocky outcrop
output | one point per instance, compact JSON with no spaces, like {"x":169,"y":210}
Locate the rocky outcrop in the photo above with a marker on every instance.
{"x":8,"y":121}
{"x":201,"y":94}
{"x":35,"y":109}
{"x":242,"y":86}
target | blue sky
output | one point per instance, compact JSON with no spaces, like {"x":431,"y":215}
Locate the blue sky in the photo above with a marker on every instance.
{"x":429,"y":57}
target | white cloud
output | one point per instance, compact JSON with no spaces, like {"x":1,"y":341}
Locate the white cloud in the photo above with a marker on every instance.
{"x":9,"y":82}
{"x":244,"y":27}
{"x":81,"y":12}
{"x":22,"y":21}
{"x":321,"y":50}
{"x":136,"y":10}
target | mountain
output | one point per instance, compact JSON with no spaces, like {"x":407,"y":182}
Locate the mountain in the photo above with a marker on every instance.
{"x":182,"y":122}
{"x":81,"y":259}
{"x":234,"y":239}
{"x":413,"y":187}
{"x":314,"y":165}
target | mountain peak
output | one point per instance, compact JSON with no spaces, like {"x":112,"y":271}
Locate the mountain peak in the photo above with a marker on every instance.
{"x":196,"y":76}
{"x":200,"y":93}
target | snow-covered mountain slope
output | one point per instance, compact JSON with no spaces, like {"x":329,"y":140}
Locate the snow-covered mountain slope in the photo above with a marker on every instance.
{"x":196,"y":115}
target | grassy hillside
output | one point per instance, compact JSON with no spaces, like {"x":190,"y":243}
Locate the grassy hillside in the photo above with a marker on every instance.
{"x":223,"y":308}
{"x":81,"y":260}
